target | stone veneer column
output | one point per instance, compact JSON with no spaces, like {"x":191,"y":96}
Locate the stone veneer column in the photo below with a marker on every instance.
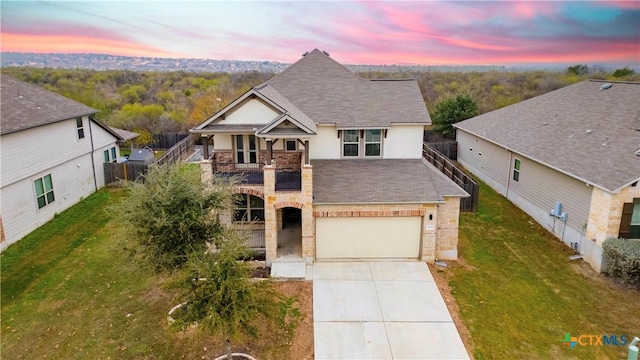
{"x":206,"y":172}
{"x":429,"y":234}
{"x":447,"y":229}
{"x":270,"y":220}
{"x":308,"y":226}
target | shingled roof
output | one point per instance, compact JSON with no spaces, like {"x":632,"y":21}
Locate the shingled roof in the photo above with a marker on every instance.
{"x":587,"y":133}
{"x":318,"y":90}
{"x":380,"y":181}
{"x":24,"y":106}
{"x":329,"y":93}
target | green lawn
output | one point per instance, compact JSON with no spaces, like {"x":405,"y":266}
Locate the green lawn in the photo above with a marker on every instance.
{"x":70,"y":291}
{"x":518,"y":292}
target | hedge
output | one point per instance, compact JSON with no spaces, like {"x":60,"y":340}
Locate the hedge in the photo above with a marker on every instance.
{"x":622,"y":259}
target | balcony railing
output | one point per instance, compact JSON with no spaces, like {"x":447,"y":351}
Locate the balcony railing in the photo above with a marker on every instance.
{"x":288,"y":180}
{"x":244,"y":173}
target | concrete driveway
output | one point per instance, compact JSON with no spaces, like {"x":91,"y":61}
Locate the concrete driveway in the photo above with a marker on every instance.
{"x":381,"y":310}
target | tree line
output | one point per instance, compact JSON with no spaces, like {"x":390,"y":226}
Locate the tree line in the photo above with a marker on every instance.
{"x":157,"y":102}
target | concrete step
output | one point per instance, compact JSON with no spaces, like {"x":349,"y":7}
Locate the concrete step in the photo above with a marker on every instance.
{"x":290,"y":270}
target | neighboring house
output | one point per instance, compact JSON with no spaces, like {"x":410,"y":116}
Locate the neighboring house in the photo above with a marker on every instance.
{"x":52,"y":152}
{"x":332,"y":166}
{"x":578,"y":146}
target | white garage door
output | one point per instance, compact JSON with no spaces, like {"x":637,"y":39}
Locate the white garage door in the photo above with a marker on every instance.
{"x":368,"y":237}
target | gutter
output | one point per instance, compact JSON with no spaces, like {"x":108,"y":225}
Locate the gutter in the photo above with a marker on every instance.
{"x":93,"y":162}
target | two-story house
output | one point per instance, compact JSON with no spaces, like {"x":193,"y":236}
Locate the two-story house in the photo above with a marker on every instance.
{"x":331,"y":166}
{"x":52,"y":154}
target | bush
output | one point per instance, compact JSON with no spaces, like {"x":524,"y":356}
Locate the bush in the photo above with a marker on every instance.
{"x":622,"y":257}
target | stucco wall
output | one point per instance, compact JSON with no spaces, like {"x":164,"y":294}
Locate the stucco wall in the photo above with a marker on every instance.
{"x":403,"y":142}
{"x":326,"y":144}
{"x":251,"y":111}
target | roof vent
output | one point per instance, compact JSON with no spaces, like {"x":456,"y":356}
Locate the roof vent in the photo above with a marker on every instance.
{"x":326,"y":53}
{"x":637,"y":152}
{"x":605,"y":86}
{"x":19,"y":95}
{"x":545,"y":123}
{"x":305,"y":54}
{"x":589,"y":131}
{"x":606,"y":140}
{"x":573,"y":133}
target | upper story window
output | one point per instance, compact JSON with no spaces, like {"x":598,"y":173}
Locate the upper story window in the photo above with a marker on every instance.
{"x":372,"y":142}
{"x":362,"y":143}
{"x":44,"y":191}
{"x":350,"y":143}
{"x":80,"y":128}
{"x":291,"y":145}
{"x":516,"y":170}
{"x":248,"y":208}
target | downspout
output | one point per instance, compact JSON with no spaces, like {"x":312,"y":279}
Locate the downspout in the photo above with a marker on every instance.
{"x":506,"y":195}
{"x":93,"y":164}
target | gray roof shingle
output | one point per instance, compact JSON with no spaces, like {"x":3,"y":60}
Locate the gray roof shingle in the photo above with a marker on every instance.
{"x":585,"y":132}
{"x":380,"y":181}
{"x":24,"y":106}
{"x":329,"y":93}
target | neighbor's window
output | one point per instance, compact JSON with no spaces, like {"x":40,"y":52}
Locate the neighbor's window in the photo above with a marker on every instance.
{"x":106,"y":156}
{"x":350,"y":143}
{"x":372,"y":142}
{"x":291,"y":145}
{"x":248,"y":208}
{"x":44,"y":191}
{"x":80,"y":128}
{"x":516,"y":170}
{"x":113,"y":154}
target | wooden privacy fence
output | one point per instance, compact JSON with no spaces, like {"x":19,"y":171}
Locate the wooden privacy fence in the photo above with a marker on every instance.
{"x":463,"y":180}
{"x":114,"y":172}
{"x":167,"y":140}
{"x":445,"y":146}
{"x":130,"y":171}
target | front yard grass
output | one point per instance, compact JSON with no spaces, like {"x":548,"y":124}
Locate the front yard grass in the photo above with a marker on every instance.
{"x":518,"y":293}
{"x":71,"y":291}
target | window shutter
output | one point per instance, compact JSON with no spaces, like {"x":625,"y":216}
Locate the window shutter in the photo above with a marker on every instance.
{"x":625,"y":221}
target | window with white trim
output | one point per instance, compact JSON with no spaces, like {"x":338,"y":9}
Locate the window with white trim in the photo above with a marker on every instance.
{"x":516,"y":170}
{"x":291,"y":145}
{"x":44,"y":191}
{"x":372,"y":143}
{"x":350,"y":143}
{"x":248,"y":208}
{"x":80,"y":128}
{"x":110,"y":155}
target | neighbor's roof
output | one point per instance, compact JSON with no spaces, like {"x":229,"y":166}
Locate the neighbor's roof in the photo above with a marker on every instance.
{"x":380,"y":181}
{"x":124,"y":134}
{"x":329,"y":93}
{"x":24,"y":106}
{"x":587,"y":133}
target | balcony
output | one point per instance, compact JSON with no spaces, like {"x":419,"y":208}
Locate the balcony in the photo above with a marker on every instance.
{"x":251,"y":174}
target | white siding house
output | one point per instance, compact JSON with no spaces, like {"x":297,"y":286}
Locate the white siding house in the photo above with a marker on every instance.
{"x":578,"y":147}
{"x":52,"y":154}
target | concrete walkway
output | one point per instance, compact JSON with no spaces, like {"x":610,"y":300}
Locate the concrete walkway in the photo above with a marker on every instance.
{"x":381,"y":310}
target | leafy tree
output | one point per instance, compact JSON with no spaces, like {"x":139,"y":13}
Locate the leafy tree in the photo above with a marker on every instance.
{"x":452,"y":110}
{"x":223,"y":300}
{"x":625,"y":71}
{"x":578,"y":70}
{"x":171,"y":213}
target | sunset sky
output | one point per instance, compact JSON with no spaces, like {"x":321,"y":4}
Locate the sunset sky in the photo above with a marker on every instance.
{"x":373,"y":32}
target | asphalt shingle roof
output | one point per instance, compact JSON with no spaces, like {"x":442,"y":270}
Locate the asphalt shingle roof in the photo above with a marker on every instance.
{"x":329,"y":93}
{"x":24,"y":106}
{"x":585,"y":132}
{"x":380,"y":181}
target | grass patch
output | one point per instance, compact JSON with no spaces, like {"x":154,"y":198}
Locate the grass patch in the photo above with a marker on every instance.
{"x":518,"y":292}
{"x":70,"y":290}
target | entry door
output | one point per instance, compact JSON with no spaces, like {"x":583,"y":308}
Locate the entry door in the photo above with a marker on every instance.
{"x":246,"y":149}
